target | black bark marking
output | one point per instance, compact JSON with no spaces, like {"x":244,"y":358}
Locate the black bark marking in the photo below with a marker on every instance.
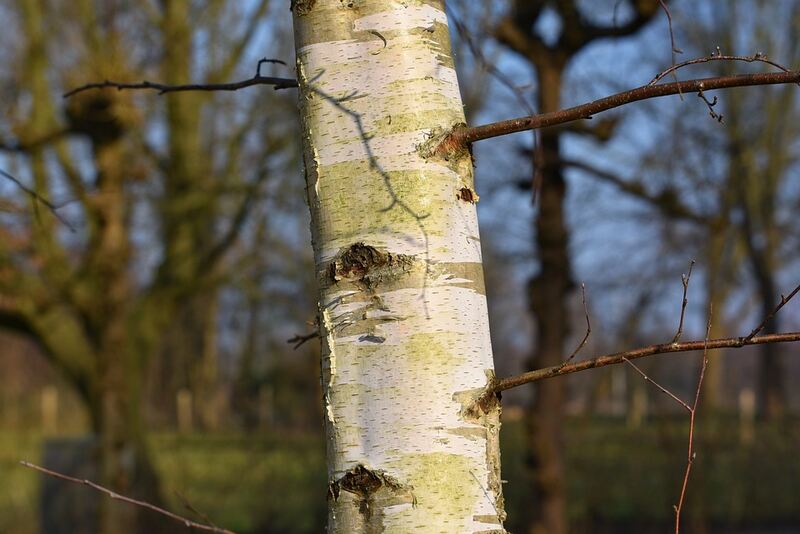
{"x":467,"y":195}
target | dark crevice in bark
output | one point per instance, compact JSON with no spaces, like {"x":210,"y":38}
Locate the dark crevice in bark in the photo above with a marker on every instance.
{"x":302,"y":7}
{"x":367,"y":266}
{"x":370,"y":491}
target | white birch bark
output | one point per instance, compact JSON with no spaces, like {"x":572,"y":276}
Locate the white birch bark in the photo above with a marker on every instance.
{"x":402,"y":305}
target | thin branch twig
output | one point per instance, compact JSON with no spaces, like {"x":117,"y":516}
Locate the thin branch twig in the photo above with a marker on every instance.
{"x":114,"y":495}
{"x":767,"y":319}
{"x":710,"y":104}
{"x":685,"y":281}
{"x":663,"y":390}
{"x":675,"y":49}
{"x":757,"y":57}
{"x":39,"y":198}
{"x":190,"y":507}
{"x":299,"y":339}
{"x":691,"y":455}
{"x":588,"y":327}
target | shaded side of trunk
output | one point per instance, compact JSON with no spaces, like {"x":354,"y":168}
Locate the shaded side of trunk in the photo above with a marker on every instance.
{"x":402,"y":307}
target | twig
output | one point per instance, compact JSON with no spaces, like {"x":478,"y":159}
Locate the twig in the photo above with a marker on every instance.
{"x":299,"y":339}
{"x":267,"y":60}
{"x":691,"y":455}
{"x":659,"y":386}
{"x":757,"y":57}
{"x":188,"y":505}
{"x":186,"y":522}
{"x":462,"y":136}
{"x":675,"y":50}
{"x":588,"y":327}
{"x":767,"y":319}
{"x":277,"y":83}
{"x":710,"y":103}
{"x":39,"y":198}
{"x":685,"y":281}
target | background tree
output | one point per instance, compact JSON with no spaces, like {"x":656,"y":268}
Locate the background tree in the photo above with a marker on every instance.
{"x":102,"y":308}
{"x":548,"y":35}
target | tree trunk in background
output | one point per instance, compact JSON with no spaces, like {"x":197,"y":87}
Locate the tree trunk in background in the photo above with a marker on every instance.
{"x":402,"y":309}
{"x":756,"y":187}
{"x":189,"y":213}
{"x":770,"y":389}
{"x":717,"y":265}
{"x":549,"y":290}
{"x":100,"y":289}
{"x":115,"y":405}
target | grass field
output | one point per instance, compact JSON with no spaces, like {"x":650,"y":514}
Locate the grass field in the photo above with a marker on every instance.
{"x":620,"y":479}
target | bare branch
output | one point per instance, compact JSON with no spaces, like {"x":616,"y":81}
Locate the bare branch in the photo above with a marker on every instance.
{"x":752,"y":338}
{"x":667,"y":200}
{"x":277,"y":83}
{"x":675,"y":49}
{"x":685,"y":281}
{"x":462,"y":136}
{"x":39,"y":198}
{"x":186,"y":522}
{"x":503,"y":384}
{"x":691,"y":455}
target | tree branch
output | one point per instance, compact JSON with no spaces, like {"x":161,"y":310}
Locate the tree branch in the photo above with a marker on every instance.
{"x":186,"y":522}
{"x":667,"y":201}
{"x":277,"y":83}
{"x":38,"y":198}
{"x":462,"y":136}
{"x":503,"y":384}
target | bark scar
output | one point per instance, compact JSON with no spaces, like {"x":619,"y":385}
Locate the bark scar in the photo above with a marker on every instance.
{"x":481,"y":407}
{"x":366,"y":266}
{"x":373,"y":490}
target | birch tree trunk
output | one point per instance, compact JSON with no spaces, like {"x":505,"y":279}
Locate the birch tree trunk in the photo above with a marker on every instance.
{"x":402,"y":306}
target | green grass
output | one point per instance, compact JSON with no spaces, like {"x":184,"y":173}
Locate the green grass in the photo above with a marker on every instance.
{"x":617,"y":476}
{"x":269,"y":483}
